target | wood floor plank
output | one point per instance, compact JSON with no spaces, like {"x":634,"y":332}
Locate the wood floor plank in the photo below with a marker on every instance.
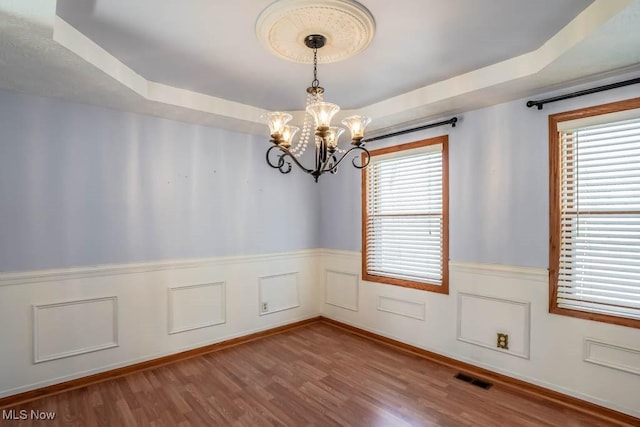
{"x":315,"y":375}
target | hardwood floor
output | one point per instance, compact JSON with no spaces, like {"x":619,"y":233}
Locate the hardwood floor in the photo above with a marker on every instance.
{"x":314,"y":375}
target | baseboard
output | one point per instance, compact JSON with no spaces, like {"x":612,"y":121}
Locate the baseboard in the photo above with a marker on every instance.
{"x":513,"y":384}
{"x":30,"y":395}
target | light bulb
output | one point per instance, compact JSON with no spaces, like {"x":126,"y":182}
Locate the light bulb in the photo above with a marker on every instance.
{"x":322,"y":113}
{"x":287,"y":135}
{"x":276,"y":121}
{"x":356,"y":125}
{"x":333,"y":135}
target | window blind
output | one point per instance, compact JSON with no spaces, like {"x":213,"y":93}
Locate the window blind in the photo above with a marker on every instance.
{"x":405,"y":215}
{"x":599,"y":269}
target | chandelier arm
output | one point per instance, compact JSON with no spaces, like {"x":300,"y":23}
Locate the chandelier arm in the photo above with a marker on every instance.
{"x":328,"y":157}
{"x":353,"y":161}
{"x":281,"y":160}
{"x":322,"y":156}
{"x":333,"y":169}
{"x":268,"y":159}
{"x":366,"y":156}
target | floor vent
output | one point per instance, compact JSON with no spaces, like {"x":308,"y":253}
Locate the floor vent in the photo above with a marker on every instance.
{"x":475,"y":381}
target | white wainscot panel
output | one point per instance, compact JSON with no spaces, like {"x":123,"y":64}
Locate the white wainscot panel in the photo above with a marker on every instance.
{"x":341,"y":289}
{"x":196,"y":306}
{"x":278,"y":292}
{"x":611,"y":355}
{"x":481,"y":318}
{"x":413,"y":309}
{"x":74,"y":327}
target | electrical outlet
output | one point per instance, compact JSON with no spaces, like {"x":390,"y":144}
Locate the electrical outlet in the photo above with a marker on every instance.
{"x":265,"y":307}
{"x":503,"y":341}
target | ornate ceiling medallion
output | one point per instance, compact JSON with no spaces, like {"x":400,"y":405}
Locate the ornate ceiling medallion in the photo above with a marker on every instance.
{"x":347,"y":26}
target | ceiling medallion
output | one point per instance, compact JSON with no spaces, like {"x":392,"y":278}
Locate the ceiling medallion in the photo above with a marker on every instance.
{"x":347,"y":26}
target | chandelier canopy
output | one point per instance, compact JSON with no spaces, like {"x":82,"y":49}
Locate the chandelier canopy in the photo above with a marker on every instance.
{"x":341,"y":20}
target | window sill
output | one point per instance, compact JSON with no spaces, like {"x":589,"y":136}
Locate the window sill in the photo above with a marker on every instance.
{"x":440,"y":289}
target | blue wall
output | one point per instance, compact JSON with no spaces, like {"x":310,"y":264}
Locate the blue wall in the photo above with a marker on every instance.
{"x":498,"y":183}
{"x":83,"y":185}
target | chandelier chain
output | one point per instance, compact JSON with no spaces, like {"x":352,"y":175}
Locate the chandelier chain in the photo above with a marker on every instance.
{"x":315,"y":83}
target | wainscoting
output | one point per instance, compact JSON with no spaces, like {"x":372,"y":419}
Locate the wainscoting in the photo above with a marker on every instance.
{"x":70,"y":323}
{"x":592,"y":361}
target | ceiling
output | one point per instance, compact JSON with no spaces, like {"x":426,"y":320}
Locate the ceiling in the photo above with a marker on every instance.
{"x":200,"y":60}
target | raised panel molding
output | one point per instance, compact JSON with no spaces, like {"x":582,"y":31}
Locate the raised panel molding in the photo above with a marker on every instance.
{"x":412,"y":309}
{"x":71,"y":328}
{"x":196,"y":306}
{"x":614,"y":356}
{"x":279,"y":292}
{"x":341,"y":289}
{"x":481,"y":317}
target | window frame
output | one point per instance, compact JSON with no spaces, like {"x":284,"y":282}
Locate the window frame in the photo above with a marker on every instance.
{"x":555,"y":188}
{"x":444,"y":287}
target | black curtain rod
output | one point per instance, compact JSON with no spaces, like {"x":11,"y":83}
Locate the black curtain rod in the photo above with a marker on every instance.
{"x":541,"y":102}
{"x":452,"y":121}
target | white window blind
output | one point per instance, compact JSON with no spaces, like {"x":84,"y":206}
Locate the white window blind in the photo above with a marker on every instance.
{"x":405,"y":215}
{"x":599,"y":268}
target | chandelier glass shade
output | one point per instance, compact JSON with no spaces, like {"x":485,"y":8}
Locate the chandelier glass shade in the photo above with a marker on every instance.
{"x":327,"y":154}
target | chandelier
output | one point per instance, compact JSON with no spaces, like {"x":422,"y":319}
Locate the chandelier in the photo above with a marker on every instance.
{"x":327,"y":154}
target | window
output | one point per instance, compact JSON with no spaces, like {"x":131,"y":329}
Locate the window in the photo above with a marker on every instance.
{"x":594,"y":265}
{"x":405,"y":222}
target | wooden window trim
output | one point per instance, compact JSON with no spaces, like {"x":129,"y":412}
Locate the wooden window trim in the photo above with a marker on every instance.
{"x":444,"y":287}
{"x":554,"y":207}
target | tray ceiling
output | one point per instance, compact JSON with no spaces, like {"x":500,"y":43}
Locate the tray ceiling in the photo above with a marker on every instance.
{"x":200,"y":61}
